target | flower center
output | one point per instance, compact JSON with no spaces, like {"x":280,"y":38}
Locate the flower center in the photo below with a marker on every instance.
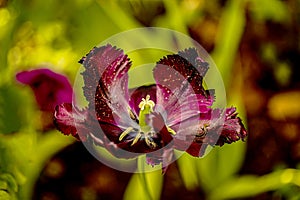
{"x":146,"y":107}
{"x":145,"y":132}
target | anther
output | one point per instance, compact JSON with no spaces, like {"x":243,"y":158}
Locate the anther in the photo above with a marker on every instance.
{"x":136,"y":139}
{"x":128,"y":130}
{"x":150,"y":143}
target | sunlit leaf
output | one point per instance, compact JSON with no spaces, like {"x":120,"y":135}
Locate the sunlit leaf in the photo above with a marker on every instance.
{"x":189,"y":171}
{"x":228,"y":38}
{"x":10,"y":109}
{"x":275,"y":10}
{"x":250,"y":185}
{"x":147,"y":184}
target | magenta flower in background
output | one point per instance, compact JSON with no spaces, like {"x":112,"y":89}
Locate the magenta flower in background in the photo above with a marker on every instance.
{"x":50,"y":88}
{"x":174,"y":113}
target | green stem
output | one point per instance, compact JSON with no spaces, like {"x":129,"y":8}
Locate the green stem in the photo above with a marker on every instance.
{"x":142,"y":176}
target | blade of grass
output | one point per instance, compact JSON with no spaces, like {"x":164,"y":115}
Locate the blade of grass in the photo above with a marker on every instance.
{"x":228,"y":38}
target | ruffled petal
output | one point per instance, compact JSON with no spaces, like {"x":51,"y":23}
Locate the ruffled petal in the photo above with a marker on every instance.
{"x":69,"y":119}
{"x":233,"y":128}
{"x":196,"y":61}
{"x":161,"y":156}
{"x":212,"y":129}
{"x":222,"y":128}
{"x":106,"y":86}
{"x":179,"y":86}
{"x":99,"y":63}
{"x":186,"y":65}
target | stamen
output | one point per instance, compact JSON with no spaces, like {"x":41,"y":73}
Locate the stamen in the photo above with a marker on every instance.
{"x":131,"y":114}
{"x":199,"y":137}
{"x":128,"y":130}
{"x":171,"y":131}
{"x":149,"y":142}
{"x":205,"y":128}
{"x":137,"y":137}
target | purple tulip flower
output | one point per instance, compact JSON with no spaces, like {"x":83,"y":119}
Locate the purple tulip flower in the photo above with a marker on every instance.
{"x":174,"y":113}
{"x":50,"y":89}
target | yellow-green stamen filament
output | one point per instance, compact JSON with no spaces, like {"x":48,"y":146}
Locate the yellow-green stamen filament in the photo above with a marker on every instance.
{"x":136,"y":139}
{"x":128,"y":130}
{"x":171,"y":131}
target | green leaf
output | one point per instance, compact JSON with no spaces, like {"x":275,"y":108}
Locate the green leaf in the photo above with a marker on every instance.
{"x":42,"y":150}
{"x":4,"y":195}
{"x":250,"y":185}
{"x":228,"y":39}
{"x":147,"y":184}
{"x":8,"y":182}
{"x":137,"y":188}
{"x":274,"y":10}
{"x":187,"y":166}
{"x":11,"y":114}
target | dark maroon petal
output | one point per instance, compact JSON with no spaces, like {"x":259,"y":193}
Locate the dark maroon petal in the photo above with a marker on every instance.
{"x":212,"y":128}
{"x":111,"y":141}
{"x":192,"y":57}
{"x":50,"y":89}
{"x":125,"y":144}
{"x":106,"y":85}
{"x":233,"y":128}
{"x":186,"y":132}
{"x":197,"y":149}
{"x":224,"y":129}
{"x":188,"y":65}
{"x":139,"y":147}
{"x":70,"y":121}
{"x":156,"y":121}
{"x":179,"y":86}
{"x":151,"y":160}
{"x":113,"y":130}
{"x":161,"y":156}
{"x":100,"y":62}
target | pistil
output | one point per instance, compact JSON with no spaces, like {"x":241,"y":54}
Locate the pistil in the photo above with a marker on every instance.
{"x":146,"y":107}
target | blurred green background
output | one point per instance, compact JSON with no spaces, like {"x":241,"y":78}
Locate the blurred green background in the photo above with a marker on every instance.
{"x":256,"y":46}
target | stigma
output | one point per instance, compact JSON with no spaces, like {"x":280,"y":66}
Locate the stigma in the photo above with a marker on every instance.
{"x":146,"y":103}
